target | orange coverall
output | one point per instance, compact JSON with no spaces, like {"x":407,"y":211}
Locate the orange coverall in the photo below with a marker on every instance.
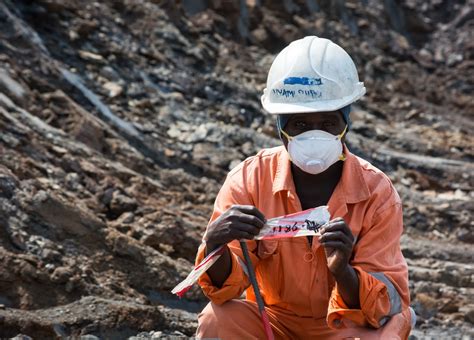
{"x":300,"y":294}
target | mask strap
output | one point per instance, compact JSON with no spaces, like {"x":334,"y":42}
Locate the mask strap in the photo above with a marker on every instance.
{"x":286,"y":135}
{"x":342,"y":133}
{"x":342,"y":157}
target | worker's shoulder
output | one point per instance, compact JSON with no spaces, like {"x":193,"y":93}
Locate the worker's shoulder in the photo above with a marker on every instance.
{"x":264,"y":160}
{"x":378,"y":183}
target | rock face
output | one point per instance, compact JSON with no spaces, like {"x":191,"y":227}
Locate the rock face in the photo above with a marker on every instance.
{"x":120,"y":119}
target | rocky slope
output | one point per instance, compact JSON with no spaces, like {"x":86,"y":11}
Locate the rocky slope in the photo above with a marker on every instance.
{"x":120,"y":119}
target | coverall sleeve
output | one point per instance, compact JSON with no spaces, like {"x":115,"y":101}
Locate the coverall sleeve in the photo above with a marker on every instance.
{"x":382,"y":272}
{"x":232,"y":193}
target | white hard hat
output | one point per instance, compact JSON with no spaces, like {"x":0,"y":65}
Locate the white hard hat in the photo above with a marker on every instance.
{"x":311,"y":75}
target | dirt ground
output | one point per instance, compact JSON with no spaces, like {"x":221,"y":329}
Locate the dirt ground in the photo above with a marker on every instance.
{"x":120,"y":119}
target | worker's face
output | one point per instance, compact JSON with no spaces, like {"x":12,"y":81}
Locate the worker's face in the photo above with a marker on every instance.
{"x":332,"y":122}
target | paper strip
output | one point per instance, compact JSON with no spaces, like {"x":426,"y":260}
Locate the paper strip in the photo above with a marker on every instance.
{"x":304,"y":223}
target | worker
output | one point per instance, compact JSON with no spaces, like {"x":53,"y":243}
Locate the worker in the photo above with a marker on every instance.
{"x":352,"y":280}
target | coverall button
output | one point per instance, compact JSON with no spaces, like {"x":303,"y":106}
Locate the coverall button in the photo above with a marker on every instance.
{"x":308,"y":257}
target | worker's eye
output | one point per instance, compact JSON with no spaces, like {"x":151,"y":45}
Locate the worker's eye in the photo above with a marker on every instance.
{"x":300,"y":124}
{"x":328,"y":124}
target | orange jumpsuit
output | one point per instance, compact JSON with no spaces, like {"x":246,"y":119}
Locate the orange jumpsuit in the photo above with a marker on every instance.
{"x":300,"y":294}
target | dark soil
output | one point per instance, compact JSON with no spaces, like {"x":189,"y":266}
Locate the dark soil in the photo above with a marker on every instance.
{"x":120,"y":119}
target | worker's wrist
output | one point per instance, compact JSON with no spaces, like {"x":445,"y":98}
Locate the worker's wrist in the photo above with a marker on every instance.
{"x":210,"y":246}
{"x":345,"y":274}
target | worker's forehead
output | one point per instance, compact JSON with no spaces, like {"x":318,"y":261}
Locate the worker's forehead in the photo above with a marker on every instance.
{"x":316,"y":115}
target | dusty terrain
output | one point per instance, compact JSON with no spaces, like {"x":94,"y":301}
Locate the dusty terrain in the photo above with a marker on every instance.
{"x":120,"y":119}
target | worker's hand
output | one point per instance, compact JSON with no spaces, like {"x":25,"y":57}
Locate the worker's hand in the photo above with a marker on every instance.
{"x":236,"y":223}
{"x":338,"y":241}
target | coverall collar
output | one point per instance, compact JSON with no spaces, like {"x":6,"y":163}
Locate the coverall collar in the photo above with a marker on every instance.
{"x":352,"y":186}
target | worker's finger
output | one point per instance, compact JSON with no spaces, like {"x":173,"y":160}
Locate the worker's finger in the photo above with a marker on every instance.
{"x":239,"y":230}
{"x":335,"y":225}
{"x":244,"y":235}
{"x":250,"y":210}
{"x":249,"y":228}
{"x":335,"y":236}
{"x":251,"y":219}
{"x":335,"y":245}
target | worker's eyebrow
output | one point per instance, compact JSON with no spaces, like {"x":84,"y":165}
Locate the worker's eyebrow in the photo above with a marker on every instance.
{"x":330,"y":116}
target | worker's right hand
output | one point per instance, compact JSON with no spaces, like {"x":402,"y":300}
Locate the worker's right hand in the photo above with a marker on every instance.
{"x":236,"y":223}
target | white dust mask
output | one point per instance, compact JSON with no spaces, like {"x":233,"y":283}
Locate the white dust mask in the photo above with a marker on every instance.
{"x":316,"y":150}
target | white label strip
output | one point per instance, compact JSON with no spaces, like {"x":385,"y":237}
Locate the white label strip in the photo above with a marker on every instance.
{"x":304,"y":223}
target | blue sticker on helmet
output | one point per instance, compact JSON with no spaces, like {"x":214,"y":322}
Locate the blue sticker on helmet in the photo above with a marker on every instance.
{"x":302,"y":81}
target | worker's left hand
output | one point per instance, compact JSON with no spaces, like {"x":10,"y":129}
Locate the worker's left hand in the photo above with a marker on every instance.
{"x":338,"y":241}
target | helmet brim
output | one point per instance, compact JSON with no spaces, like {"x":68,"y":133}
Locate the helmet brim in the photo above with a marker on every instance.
{"x":314,"y":106}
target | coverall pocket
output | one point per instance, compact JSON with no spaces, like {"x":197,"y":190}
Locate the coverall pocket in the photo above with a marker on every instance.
{"x":267,"y":248}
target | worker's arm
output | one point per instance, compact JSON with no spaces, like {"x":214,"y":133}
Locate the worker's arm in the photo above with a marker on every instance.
{"x":220,"y":271}
{"x":337,"y":240}
{"x":236,"y":223}
{"x":381,"y":270}
{"x":348,"y":284}
{"x":226,"y":279}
